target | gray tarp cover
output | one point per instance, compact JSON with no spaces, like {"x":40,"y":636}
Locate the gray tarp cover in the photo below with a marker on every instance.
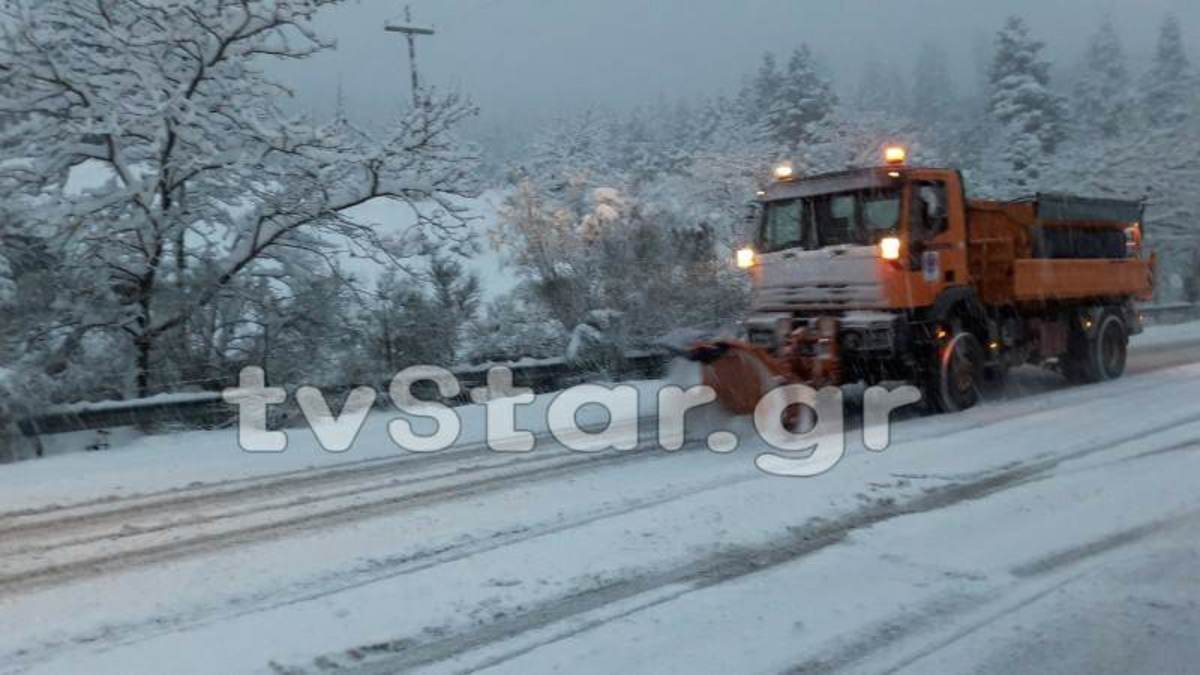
{"x":1072,"y":208}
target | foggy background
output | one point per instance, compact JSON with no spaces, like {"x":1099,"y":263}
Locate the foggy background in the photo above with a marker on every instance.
{"x":523,"y":61}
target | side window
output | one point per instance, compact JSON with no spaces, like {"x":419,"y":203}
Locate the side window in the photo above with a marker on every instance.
{"x":930,"y":210}
{"x":782,"y":226}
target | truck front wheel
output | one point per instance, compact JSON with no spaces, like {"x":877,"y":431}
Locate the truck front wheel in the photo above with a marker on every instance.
{"x":957,"y":375}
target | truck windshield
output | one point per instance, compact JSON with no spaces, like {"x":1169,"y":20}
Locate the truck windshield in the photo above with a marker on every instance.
{"x":861,"y":217}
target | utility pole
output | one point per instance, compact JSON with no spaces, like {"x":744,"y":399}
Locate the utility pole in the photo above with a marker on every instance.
{"x":410,"y":33}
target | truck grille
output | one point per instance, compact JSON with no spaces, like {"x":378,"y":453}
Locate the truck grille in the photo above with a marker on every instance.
{"x":819,"y":296}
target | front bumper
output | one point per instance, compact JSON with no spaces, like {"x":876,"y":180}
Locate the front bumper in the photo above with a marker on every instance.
{"x":858,"y":333}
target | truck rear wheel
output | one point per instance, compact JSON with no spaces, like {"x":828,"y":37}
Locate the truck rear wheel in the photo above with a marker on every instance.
{"x":958,"y":375}
{"x":1100,"y":356}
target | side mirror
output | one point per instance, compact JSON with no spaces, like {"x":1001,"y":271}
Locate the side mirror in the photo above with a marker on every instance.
{"x":750,"y":220}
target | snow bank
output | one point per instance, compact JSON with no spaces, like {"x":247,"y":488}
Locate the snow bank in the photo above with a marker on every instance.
{"x":139,"y":464}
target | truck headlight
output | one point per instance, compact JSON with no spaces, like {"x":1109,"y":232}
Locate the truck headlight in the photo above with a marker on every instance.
{"x":746,"y":258}
{"x":889,"y":248}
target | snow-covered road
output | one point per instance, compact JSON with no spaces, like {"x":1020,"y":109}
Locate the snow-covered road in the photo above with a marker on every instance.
{"x":1053,"y":529}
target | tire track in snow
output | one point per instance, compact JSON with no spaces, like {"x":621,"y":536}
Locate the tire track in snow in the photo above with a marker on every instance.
{"x":196,"y":519}
{"x":570,"y":614}
{"x":24,"y":536}
{"x":378,"y":571}
{"x":1054,"y":576}
{"x":209,"y":542}
{"x":1031,"y":582}
{"x":199,"y":495}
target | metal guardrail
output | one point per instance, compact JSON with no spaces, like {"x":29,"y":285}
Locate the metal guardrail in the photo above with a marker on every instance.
{"x":209,"y":410}
{"x":1169,"y":312}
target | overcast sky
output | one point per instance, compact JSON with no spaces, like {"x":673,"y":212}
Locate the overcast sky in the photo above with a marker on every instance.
{"x":527,"y":59}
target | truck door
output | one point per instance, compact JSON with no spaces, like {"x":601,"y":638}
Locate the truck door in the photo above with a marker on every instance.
{"x":937,"y":254}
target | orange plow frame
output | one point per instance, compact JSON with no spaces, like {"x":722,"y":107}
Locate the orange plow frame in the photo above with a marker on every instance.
{"x":741,"y":373}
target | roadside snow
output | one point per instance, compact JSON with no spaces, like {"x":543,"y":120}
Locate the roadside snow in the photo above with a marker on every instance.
{"x":138,"y":464}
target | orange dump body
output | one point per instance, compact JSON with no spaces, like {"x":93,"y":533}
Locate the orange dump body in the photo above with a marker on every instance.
{"x":1006,"y":268}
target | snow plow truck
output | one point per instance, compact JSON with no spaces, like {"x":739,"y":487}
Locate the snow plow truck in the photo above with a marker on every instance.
{"x":893,"y":274}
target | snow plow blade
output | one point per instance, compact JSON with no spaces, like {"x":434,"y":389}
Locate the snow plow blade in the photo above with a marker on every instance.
{"x":740,"y":373}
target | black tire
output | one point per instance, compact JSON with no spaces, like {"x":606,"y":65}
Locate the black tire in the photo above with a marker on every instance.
{"x":1113,"y":348}
{"x":1101,"y":356}
{"x":957,"y":375}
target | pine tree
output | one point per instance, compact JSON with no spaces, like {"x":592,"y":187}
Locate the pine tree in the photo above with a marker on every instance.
{"x":1168,"y":84}
{"x":765,"y":88}
{"x":681,"y":137}
{"x":1101,"y":104}
{"x":805,"y":101}
{"x":1022,"y":103}
{"x":933,"y":97}
{"x":572,"y":145}
{"x":638,"y":152}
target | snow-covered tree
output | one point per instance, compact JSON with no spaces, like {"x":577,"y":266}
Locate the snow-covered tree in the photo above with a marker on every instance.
{"x":763,"y":90}
{"x":515,"y":326}
{"x":1102,"y":105}
{"x":639,"y":154}
{"x":570,"y":144}
{"x":197,"y":174}
{"x":405,"y":324}
{"x":1029,"y":113}
{"x":599,"y":249}
{"x":805,"y":101}
{"x":681,"y":136}
{"x":1169,"y":87}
